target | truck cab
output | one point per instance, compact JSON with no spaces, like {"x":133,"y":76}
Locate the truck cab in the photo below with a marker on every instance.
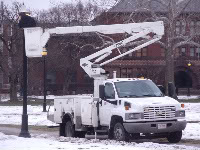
{"x":140,"y":107}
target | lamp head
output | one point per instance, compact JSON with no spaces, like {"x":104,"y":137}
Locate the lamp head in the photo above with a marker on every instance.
{"x":189,"y":64}
{"x":44,"y":52}
{"x":23,"y":10}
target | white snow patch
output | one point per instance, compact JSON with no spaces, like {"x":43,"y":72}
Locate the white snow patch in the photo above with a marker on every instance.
{"x":13,"y":114}
{"x":8,"y":142}
{"x":188,"y":97}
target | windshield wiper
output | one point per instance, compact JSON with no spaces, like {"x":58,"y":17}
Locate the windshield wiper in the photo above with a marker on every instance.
{"x":152,"y":95}
{"x":128,"y":96}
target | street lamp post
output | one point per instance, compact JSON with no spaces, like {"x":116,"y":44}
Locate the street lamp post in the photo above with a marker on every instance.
{"x":24,"y":127}
{"x":44,"y":53}
{"x":24,"y":22}
{"x":188,"y":90}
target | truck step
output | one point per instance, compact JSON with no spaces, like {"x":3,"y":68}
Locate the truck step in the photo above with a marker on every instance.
{"x":101,"y":131}
{"x":97,"y":136}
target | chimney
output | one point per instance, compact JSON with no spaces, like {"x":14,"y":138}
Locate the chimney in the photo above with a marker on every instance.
{"x":114,"y":74}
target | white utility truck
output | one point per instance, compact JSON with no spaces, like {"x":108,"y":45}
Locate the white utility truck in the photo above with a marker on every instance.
{"x":120,"y":108}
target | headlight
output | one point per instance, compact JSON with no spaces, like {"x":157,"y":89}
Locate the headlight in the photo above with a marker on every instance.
{"x":127,"y":105}
{"x":180,"y":113}
{"x":130,"y":116}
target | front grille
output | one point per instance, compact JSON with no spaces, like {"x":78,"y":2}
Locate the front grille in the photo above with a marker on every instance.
{"x":162,"y":112}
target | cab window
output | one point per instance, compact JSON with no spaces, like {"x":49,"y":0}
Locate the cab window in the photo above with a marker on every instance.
{"x":109,"y":91}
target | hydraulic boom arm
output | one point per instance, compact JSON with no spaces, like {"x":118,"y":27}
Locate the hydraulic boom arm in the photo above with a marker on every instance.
{"x":36,"y":40}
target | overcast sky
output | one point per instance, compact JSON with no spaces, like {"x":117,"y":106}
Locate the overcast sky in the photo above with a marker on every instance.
{"x":39,"y":4}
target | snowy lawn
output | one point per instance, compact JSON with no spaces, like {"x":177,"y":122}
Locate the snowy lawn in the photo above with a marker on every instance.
{"x":12,"y":115}
{"x":42,"y":142}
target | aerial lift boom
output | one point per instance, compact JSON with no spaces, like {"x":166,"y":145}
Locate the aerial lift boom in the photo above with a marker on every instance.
{"x":36,"y":40}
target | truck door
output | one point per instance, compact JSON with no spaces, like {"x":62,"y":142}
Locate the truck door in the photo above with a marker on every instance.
{"x":106,"y":106}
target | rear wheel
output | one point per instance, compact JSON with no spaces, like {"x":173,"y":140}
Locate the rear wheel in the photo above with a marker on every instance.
{"x":120,"y":133}
{"x":69,"y":129}
{"x":62,"y":129}
{"x":174,"y":137}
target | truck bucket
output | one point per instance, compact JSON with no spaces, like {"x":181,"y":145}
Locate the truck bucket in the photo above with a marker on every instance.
{"x":33,"y":46}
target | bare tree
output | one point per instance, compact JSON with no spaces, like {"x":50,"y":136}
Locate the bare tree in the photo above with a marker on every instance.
{"x":11,"y":55}
{"x":64,"y":56}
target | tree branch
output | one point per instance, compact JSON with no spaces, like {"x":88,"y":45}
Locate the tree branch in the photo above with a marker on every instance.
{"x":186,"y":43}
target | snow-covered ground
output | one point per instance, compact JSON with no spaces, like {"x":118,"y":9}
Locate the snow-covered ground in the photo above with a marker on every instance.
{"x":189,"y":97}
{"x":12,"y":115}
{"x":43,"y":142}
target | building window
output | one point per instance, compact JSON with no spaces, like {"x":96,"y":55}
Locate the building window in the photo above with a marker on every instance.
{"x":1,"y":46}
{"x":51,"y":78}
{"x":177,"y":52}
{"x":74,"y":77}
{"x":86,"y":78}
{"x":130,"y":54}
{"x":177,"y":27}
{"x":198,"y":52}
{"x":126,"y":72}
{"x":1,"y":80}
{"x":197,"y":26}
{"x":162,"y":52}
{"x":129,"y":73}
{"x":192,"y":50}
{"x":125,"y":49}
{"x":180,"y":27}
{"x":142,"y":52}
{"x":10,"y":30}
{"x":139,"y":53}
{"x":1,"y":29}
{"x":192,"y":27}
{"x":183,"y":51}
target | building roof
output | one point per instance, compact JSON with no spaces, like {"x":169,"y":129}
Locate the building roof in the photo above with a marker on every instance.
{"x":132,"y":5}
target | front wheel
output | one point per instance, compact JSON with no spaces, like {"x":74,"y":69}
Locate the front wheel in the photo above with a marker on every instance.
{"x":69,"y":129}
{"x":120,"y":133}
{"x":174,"y":137}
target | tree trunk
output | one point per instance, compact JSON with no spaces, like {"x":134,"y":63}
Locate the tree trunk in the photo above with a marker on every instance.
{"x":169,"y":74}
{"x":13,"y":90}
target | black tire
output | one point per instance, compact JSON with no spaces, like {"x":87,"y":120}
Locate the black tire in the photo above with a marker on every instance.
{"x":69,"y":129}
{"x":80,"y":134}
{"x":62,"y":129}
{"x":174,"y":137}
{"x":119,"y":133}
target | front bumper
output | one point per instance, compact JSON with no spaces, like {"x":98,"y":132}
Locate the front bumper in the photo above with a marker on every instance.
{"x":152,"y":127}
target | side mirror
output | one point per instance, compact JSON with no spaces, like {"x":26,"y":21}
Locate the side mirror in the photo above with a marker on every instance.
{"x":162,"y":89}
{"x":102,"y":91}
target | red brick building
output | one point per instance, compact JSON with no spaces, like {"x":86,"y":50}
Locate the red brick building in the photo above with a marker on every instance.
{"x":150,"y":61}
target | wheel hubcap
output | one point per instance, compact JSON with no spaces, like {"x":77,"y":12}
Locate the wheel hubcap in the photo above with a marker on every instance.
{"x":68,"y":131}
{"x":118,"y":133}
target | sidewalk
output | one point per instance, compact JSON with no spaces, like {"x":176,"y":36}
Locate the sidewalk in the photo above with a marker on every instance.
{"x":15,"y":130}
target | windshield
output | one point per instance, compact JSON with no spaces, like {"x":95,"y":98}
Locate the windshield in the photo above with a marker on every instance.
{"x":140,"y":88}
